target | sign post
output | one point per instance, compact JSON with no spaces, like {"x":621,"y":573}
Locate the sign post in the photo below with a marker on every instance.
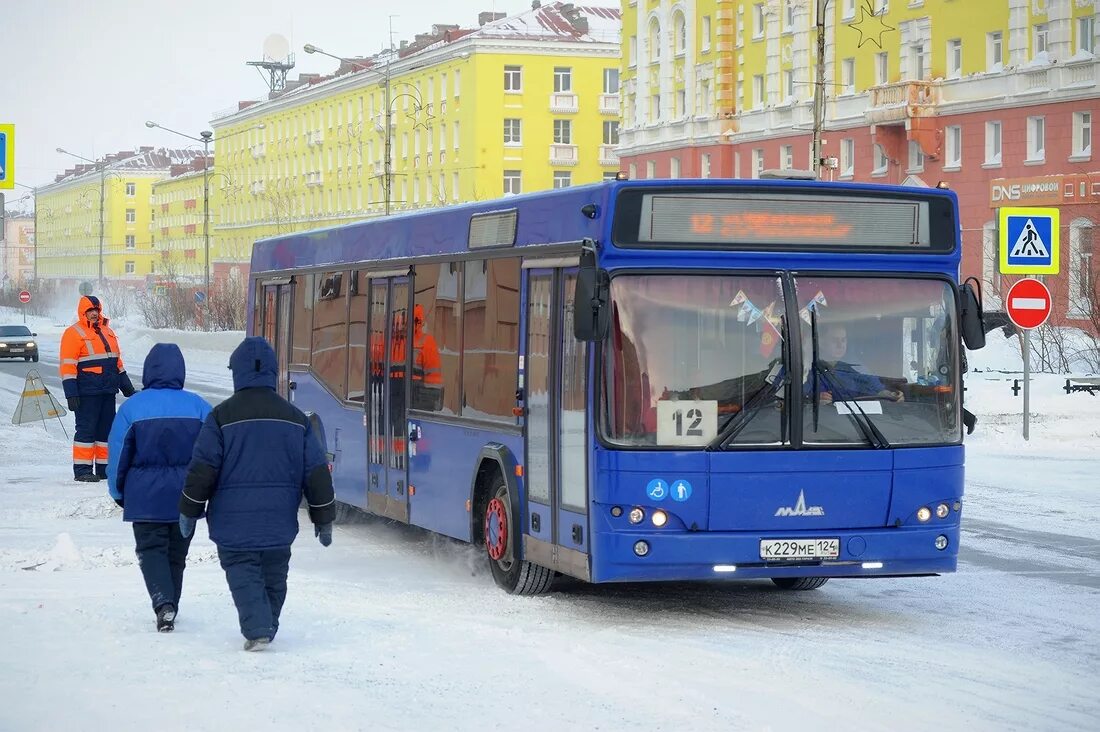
{"x":24,"y":297}
{"x":1028,"y":307}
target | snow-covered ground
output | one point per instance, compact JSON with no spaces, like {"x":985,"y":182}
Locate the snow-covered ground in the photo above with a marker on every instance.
{"x":393,"y":628}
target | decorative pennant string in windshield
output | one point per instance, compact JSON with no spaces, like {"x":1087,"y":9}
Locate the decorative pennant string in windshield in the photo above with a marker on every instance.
{"x":767,"y":320}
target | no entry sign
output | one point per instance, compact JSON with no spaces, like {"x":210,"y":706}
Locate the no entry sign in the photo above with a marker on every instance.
{"x":1028,"y":303}
{"x":24,"y":297}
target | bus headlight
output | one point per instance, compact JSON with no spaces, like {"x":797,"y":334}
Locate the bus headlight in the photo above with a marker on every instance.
{"x":923,"y":514}
{"x":942,"y":510}
{"x":641,"y":548}
{"x":659,"y":518}
{"x":636,"y":516}
{"x":941,"y":542}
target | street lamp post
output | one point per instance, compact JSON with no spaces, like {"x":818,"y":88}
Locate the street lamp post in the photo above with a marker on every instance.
{"x":819,"y":86}
{"x":102,"y":201}
{"x":205,"y":137}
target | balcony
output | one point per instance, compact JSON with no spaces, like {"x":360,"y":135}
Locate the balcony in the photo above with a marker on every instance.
{"x":608,"y":155}
{"x":609,"y":104}
{"x":895,"y":103}
{"x":563,"y":102}
{"x":257,"y":187}
{"x":563,"y":154}
{"x":315,"y":137}
{"x":314,"y":178}
{"x":257,"y":151}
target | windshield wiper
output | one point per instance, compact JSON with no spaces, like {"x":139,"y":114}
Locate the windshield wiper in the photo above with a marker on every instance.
{"x":865,"y":424}
{"x":763,"y":396}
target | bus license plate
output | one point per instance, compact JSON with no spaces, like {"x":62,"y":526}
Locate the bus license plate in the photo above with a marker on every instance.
{"x":781,"y":549}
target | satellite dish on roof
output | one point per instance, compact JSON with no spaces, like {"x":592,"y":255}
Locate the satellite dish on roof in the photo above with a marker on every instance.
{"x":276,"y":47}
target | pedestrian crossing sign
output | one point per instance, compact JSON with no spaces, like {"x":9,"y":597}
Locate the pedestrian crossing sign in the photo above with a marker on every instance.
{"x":1029,"y":240}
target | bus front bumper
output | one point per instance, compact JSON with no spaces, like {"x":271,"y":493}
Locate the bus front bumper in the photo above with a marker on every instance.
{"x":618,"y":556}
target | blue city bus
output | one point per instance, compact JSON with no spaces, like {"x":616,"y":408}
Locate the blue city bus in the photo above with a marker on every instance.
{"x":643,"y":380}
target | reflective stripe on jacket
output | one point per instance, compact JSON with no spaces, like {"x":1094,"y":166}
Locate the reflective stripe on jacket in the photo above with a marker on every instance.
{"x":90,"y":358}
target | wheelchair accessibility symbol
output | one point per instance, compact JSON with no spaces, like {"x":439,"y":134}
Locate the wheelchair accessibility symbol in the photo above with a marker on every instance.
{"x":657,"y":490}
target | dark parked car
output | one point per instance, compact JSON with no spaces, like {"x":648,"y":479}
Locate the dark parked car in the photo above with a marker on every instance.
{"x":17,"y":341}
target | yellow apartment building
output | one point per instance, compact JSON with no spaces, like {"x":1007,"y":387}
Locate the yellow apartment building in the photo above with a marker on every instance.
{"x":78,"y":239}
{"x":518,"y":104}
{"x":178,"y":217}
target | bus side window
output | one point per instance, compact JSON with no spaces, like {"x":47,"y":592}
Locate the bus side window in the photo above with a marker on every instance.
{"x":491,"y":338}
{"x":301,"y":321}
{"x":330,"y":330}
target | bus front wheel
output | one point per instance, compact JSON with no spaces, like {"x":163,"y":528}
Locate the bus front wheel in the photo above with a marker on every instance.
{"x":514,"y":575}
{"x":799,"y":583}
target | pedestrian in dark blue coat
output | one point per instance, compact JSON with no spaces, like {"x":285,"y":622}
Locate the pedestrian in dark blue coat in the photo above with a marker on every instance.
{"x":255,"y":457}
{"x":150,"y":446}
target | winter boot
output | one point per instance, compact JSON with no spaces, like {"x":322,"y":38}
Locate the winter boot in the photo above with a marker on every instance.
{"x":166,"y":618}
{"x":87,"y":478}
{"x":256,"y":644}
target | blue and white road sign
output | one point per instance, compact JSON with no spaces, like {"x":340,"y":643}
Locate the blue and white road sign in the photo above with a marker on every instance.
{"x":681,"y":490}
{"x":1029,"y":240}
{"x":7,"y":156}
{"x":657,"y":490}
{"x":200,"y":296}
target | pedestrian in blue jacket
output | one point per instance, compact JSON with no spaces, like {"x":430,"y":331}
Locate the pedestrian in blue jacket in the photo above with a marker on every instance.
{"x":150,"y":447}
{"x":255,"y":457}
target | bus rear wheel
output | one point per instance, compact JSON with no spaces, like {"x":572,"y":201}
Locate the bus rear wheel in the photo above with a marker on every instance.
{"x":799,"y":583}
{"x":515,"y":576}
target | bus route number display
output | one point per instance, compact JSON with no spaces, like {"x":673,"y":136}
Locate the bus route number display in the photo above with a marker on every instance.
{"x":686,"y":422}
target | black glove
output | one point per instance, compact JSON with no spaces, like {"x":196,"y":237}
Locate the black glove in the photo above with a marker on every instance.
{"x":125,"y":385}
{"x":119,"y":502}
{"x":73,"y":403}
{"x":323,"y":532}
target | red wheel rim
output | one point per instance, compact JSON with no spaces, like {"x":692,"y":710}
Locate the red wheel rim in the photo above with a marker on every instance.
{"x":496,"y":529}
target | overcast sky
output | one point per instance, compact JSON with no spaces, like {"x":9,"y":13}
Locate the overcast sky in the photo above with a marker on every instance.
{"x":86,"y":74}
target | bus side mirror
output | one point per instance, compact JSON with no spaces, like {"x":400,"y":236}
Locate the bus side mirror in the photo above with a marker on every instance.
{"x":591,"y":311}
{"x":971,"y":316}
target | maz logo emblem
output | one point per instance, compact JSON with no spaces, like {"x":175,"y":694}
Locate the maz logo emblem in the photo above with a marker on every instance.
{"x":800,"y":508}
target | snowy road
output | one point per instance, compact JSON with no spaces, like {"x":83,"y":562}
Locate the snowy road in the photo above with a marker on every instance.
{"x":393,"y":628}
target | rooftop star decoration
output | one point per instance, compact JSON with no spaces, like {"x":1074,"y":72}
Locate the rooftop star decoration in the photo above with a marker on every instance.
{"x":870,"y":25}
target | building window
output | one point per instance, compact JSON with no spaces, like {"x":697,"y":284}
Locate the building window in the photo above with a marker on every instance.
{"x":994,"y":51}
{"x":881,"y":161}
{"x":632,"y":171}
{"x":786,"y":157}
{"x":632,"y":51}
{"x":456,"y":138}
{"x":704,"y":41}
{"x":131,"y":189}
{"x":562,"y":179}
{"x":704,"y":165}
{"x":512,"y":132}
{"x":882,"y":68}
{"x":563,"y":79}
{"x":953,"y":156}
{"x":1036,"y":139}
{"x":704,"y":101}
{"x":847,"y":157}
{"x":1086,"y":29}
{"x":788,"y":84}
{"x":131,"y":216}
{"x":611,"y":132}
{"x":757,"y":162}
{"x":849,"y":9}
{"x":654,"y":42}
{"x":991,"y":281}
{"x":674,"y":168}
{"x":610,"y":81}
{"x":916,"y":157}
{"x":916,"y":63}
{"x":992,"y":143}
{"x":758,"y":21}
{"x":679,"y":33}
{"x":563,"y":132}
{"x":131,"y":241}
{"x":458,"y":82}
{"x":1082,"y":134}
{"x":681,"y":104}
{"x":655,"y":107}
{"x":848,"y":76}
{"x":1082,"y":276}
{"x":1040,"y":43}
{"x":130,"y":267}
{"x":758,"y":91}
{"x":788,"y":16}
{"x":513,"y":79}
{"x":513,"y":182}
{"x":651,"y":169}
{"x":454,"y":187}
{"x":954,"y":58}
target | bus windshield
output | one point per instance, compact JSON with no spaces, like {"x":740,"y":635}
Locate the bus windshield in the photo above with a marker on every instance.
{"x":696,"y":361}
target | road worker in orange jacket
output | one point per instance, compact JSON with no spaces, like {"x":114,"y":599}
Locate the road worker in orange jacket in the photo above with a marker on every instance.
{"x":91,"y":374}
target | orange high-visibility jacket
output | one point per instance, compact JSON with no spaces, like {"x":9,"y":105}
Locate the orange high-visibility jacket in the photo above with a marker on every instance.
{"x":90,"y":357}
